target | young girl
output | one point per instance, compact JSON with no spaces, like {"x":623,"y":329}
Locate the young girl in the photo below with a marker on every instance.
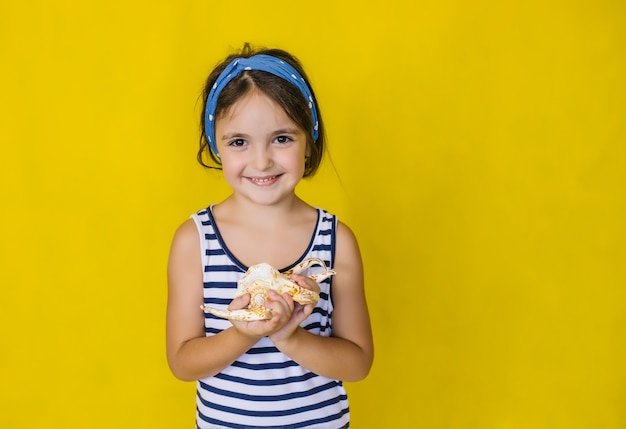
{"x":262,"y":125}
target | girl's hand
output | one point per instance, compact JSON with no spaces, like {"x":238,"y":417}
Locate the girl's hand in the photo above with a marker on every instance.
{"x":280,"y":306}
{"x":299,"y":312}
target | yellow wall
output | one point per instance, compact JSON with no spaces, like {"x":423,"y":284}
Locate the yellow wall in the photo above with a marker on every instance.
{"x":478,"y":153}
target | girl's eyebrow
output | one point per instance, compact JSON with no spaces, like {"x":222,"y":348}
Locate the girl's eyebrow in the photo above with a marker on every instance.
{"x":287,"y":131}
{"x":235,"y":134}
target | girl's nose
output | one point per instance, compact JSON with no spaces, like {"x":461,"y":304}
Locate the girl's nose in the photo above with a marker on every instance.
{"x":263,"y":158}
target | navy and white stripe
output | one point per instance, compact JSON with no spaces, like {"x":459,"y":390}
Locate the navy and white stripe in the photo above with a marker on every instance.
{"x":263,"y":388}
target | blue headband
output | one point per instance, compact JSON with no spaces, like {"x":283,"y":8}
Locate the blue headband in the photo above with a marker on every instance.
{"x":264,"y":63}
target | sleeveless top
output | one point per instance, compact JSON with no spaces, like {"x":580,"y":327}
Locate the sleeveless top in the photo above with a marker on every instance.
{"x":264,"y":388}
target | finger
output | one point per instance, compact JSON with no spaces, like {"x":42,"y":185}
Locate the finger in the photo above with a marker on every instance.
{"x":272,"y":295}
{"x":308,"y":309}
{"x":306,"y":282}
{"x":301,"y":280}
{"x":240,"y":302}
{"x":279,"y":304}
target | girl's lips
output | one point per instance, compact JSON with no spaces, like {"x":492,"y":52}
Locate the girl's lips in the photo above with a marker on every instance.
{"x":264,"y":181}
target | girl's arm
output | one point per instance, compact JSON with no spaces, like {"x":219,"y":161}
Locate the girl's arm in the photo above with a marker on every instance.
{"x":190,"y":354}
{"x":348,"y":354}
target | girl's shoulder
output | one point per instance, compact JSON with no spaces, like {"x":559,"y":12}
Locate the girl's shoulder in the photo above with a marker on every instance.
{"x":186,"y":235}
{"x":341,"y":227}
{"x":346,"y":236}
{"x":346,"y":245}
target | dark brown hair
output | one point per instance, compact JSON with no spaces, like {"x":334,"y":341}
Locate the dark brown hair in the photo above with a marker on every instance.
{"x":285,"y":94}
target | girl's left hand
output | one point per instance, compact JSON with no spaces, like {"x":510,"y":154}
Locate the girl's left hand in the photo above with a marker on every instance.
{"x":280,"y":307}
{"x":300,"y":312}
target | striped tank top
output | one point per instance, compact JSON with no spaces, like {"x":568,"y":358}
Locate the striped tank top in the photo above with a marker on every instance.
{"x":264,"y":388}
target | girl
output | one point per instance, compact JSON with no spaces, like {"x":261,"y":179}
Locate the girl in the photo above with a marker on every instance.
{"x":261,"y":124}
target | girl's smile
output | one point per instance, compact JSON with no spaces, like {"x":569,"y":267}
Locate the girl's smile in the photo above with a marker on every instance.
{"x":264,"y":181}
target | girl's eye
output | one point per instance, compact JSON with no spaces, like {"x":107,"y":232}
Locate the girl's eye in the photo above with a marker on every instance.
{"x":283,"y":139}
{"x":237,"y":143}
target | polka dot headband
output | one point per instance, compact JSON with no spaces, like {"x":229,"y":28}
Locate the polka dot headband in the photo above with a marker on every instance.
{"x":264,"y":63}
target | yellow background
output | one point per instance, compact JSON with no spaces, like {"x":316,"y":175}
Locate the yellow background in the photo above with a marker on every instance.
{"x":477,"y":151}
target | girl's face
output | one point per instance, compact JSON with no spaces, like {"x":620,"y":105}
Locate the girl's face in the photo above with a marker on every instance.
{"x":262,"y":150}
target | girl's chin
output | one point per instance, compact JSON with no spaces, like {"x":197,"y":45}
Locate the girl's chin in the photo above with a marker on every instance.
{"x":265,"y":198}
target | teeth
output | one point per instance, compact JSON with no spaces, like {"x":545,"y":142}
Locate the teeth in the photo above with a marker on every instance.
{"x":263,"y":179}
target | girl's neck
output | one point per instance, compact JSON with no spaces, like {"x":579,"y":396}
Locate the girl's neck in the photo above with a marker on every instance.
{"x":242,"y":211}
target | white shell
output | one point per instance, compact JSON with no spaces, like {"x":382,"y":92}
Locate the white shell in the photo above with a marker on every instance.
{"x":260,"y":278}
